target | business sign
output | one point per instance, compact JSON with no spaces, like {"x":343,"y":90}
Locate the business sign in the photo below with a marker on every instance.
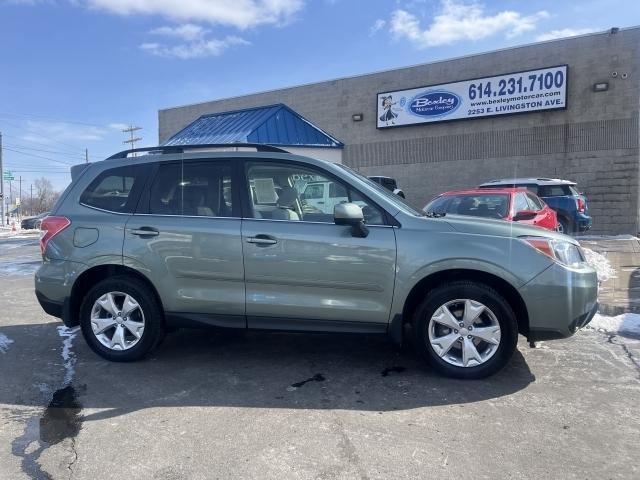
{"x":530,"y":91}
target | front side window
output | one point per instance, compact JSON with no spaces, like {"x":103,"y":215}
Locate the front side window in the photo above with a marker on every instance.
{"x":200,"y":189}
{"x":112,"y":189}
{"x":296,"y":192}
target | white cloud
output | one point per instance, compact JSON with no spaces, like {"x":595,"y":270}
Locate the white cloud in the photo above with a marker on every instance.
{"x":378,"y":25}
{"x":241,"y":14}
{"x":188,"y":32}
{"x":564,"y":32}
{"x":118,"y":126}
{"x":46,"y":132}
{"x":457,"y":21}
{"x":197,"y":49}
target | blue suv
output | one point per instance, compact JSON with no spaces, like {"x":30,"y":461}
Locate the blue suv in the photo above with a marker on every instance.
{"x":561,"y":195}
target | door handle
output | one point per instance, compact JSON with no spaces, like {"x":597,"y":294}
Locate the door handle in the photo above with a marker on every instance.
{"x":145,"y":232}
{"x":262,"y":240}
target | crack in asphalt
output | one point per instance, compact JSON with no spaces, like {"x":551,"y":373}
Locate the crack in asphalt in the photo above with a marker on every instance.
{"x":75,"y":457}
{"x":625,"y":349}
{"x":60,"y":420}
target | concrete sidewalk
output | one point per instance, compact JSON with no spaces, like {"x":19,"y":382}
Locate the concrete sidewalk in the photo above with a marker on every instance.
{"x":620,"y":294}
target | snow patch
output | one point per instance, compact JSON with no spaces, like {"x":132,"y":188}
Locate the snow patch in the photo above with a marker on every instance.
{"x":607,"y":237}
{"x":627,"y":323}
{"x":68,"y":356}
{"x":600,"y":263}
{"x":4,"y":343}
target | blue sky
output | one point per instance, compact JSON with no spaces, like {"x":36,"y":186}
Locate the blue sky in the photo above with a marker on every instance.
{"x":74,"y":71}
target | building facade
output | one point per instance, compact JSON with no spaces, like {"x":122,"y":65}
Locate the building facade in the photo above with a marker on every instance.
{"x":591,"y":138}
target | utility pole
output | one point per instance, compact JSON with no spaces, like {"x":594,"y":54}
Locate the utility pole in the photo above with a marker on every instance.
{"x":31,"y":202}
{"x":1,"y":182}
{"x":132,"y":140}
{"x":86,"y":155}
{"x":20,"y":197}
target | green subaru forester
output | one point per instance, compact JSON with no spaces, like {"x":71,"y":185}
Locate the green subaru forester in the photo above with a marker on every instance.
{"x":223,"y":236}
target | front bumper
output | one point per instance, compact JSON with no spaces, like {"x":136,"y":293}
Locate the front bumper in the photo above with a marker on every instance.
{"x":560,"y":300}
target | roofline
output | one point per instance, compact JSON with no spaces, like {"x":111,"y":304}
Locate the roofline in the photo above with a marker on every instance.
{"x":338,"y":143}
{"x":378,"y":72}
{"x":487,"y":191}
{"x":535,"y":180}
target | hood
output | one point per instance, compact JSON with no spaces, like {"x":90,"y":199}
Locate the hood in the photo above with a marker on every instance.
{"x":500,"y":228}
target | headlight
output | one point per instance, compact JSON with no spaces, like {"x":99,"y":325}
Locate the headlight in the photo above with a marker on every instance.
{"x":559,"y":250}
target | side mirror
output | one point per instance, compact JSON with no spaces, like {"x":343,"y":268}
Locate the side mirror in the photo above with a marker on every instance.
{"x":350,"y":214}
{"x":524,"y":215}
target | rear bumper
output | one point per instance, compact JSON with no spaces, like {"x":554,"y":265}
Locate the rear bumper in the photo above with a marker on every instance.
{"x":51,"y":307}
{"x":53,"y":282}
{"x":560,"y":301}
{"x":583,"y":222}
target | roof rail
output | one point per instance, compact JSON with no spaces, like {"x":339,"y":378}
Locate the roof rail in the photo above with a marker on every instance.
{"x":167,"y":149}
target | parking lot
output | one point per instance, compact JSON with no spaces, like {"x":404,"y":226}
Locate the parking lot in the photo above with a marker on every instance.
{"x":264,"y":405}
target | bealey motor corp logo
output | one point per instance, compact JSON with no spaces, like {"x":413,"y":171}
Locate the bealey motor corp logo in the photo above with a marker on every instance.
{"x":434,"y":103}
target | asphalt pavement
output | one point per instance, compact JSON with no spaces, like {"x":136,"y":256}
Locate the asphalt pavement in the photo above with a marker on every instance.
{"x":266,"y":405}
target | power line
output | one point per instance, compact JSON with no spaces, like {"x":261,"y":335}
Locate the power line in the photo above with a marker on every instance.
{"x":76,"y":155}
{"x":38,"y":156}
{"x":41,"y":135}
{"x":71,"y":122}
{"x":38,"y":143}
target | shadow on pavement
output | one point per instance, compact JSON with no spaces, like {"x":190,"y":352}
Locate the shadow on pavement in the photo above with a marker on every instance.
{"x":255,"y":370}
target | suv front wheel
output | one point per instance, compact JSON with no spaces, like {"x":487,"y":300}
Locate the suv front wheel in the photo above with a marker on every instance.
{"x":465,"y":330}
{"x":120,"y":319}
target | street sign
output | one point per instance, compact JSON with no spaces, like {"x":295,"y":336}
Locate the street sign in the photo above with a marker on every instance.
{"x":8,"y":175}
{"x":17,"y":201}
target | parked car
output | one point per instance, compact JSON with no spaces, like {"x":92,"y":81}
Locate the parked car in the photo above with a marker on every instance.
{"x":561,"y":195}
{"x":189,"y":236}
{"x":511,"y":204}
{"x":389,"y":183}
{"x":32,"y":222}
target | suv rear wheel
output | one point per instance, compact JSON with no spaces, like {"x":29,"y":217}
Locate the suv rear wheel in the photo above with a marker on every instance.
{"x":465,"y":330}
{"x":120,"y":319}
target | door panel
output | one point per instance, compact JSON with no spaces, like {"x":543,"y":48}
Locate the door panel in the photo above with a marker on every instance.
{"x":195,"y":263}
{"x":318,"y":271}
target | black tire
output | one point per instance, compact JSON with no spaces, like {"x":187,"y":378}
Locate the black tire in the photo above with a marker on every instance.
{"x":567,"y":228}
{"x":477,"y":292}
{"x":154,"y":330}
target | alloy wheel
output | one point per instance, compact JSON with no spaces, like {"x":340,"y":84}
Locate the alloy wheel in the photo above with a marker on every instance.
{"x":117,"y":321}
{"x":464,"y":333}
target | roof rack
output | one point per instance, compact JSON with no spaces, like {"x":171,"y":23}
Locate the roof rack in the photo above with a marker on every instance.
{"x":167,"y":149}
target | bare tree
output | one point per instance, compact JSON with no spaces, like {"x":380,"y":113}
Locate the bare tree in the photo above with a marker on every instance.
{"x":45,"y":196}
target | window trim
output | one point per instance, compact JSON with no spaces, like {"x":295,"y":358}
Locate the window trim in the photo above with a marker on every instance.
{"x":145,"y":198}
{"x":247,"y":212}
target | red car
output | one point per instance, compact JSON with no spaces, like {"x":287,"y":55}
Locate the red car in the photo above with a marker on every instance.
{"x":511,"y":204}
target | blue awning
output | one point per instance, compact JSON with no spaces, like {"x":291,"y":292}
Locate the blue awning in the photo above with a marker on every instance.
{"x":271,"y":125}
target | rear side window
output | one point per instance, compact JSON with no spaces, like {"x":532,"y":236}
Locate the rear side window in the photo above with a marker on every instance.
{"x":554,"y":190}
{"x":520,"y":203}
{"x":535,"y":202}
{"x":192,"y":189}
{"x":115,"y":190}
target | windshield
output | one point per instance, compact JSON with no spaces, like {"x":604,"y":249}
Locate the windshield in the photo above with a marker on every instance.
{"x":475,"y":205}
{"x":398,"y":201}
